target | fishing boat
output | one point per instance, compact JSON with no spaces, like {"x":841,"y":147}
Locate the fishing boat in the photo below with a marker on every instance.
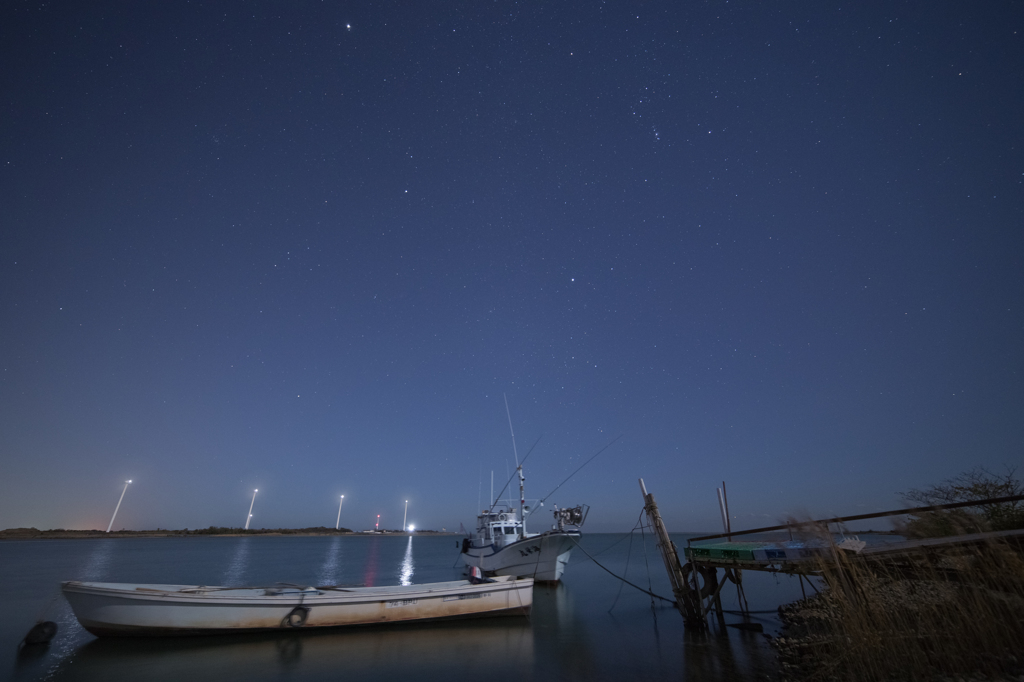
{"x":124,"y":609}
{"x":503,"y":547}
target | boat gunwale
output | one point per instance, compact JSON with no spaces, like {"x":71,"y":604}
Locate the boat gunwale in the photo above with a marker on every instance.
{"x":355,"y":595}
{"x":102,"y":629}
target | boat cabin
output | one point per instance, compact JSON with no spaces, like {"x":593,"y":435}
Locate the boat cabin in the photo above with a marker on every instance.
{"x":499,"y":527}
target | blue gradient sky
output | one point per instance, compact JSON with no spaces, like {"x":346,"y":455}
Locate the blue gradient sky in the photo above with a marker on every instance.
{"x":307,"y":247}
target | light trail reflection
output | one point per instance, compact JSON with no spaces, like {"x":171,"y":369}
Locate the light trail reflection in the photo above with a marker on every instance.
{"x":405,"y":577}
{"x":239,"y":564}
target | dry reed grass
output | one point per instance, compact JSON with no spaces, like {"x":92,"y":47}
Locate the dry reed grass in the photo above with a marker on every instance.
{"x":930,"y":617}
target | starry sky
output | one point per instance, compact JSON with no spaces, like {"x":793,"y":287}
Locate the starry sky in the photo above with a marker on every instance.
{"x":307,"y":248}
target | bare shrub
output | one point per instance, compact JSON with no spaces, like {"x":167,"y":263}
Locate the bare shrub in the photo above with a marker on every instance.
{"x":977,"y":484}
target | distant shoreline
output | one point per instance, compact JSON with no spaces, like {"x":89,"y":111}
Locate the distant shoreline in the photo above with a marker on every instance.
{"x":62,"y":534}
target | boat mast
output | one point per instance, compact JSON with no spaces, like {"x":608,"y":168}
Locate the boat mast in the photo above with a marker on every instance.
{"x":522,"y":498}
{"x":519,"y":469}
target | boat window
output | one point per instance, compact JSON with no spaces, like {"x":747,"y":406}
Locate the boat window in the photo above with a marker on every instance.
{"x":510,"y":530}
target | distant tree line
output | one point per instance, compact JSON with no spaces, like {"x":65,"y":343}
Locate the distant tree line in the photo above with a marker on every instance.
{"x":221,"y":530}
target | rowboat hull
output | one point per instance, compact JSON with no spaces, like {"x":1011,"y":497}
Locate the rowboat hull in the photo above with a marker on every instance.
{"x":118,"y":609}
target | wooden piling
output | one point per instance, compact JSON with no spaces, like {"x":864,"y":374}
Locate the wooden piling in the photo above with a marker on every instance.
{"x":687,"y":601}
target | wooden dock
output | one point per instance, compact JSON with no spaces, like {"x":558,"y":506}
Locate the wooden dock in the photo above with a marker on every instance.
{"x":801,"y":557}
{"x":805,"y":549}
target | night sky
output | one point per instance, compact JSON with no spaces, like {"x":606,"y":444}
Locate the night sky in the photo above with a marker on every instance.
{"x":307,"y":247}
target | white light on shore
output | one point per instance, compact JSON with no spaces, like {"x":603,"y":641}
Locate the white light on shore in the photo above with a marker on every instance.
{"x":249,"y":517}
{"x":118,"y":504}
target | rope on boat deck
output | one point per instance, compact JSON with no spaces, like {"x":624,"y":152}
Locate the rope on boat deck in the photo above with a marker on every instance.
{"x":657,"y":596}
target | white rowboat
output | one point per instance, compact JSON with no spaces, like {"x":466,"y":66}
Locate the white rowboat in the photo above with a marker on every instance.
{"x":123,"y":609}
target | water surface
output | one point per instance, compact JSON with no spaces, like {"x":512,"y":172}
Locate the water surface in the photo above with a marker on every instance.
{"x":589,"y":627}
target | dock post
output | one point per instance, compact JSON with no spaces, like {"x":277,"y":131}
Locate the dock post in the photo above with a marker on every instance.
{"x":687,"y":601}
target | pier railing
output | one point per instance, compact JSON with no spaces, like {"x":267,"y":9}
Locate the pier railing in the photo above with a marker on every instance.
{"x":861,"y":517}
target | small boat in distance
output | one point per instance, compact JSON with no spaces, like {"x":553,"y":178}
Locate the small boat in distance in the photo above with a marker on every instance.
{"x":130,"y":610}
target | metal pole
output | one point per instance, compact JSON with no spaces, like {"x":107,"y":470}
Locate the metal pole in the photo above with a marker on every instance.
{"x":249,"y":517}
{"x":725,"y":504}
{"x":337,"y":526}
{"x":405,"y":515}
{"x":741,"y":595}
{"x":118,"y":505}
{"x":721,"y":508}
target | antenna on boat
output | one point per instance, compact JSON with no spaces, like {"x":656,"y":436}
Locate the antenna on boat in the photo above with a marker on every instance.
{"x":509,"y":492}
{"x":519,"y":468}
{"x":510,"y":429}
{"x":523,"y":463}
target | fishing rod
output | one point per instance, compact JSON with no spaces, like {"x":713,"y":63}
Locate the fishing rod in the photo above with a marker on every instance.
{"x":580,"y":467}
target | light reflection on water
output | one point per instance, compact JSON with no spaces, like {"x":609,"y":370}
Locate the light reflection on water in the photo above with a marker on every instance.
{"x":370,"y":569}
{"x":405,"y":576}
{"x":236,"y":571}
{"x":96,"y":568}
{"x":329,"y":570}
{"x":571,"y":635}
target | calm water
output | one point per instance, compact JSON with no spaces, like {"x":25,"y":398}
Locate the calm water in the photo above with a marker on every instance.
{"x":574,"y":632}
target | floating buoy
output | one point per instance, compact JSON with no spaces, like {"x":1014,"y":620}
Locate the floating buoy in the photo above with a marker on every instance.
{"x":41,"y":633}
